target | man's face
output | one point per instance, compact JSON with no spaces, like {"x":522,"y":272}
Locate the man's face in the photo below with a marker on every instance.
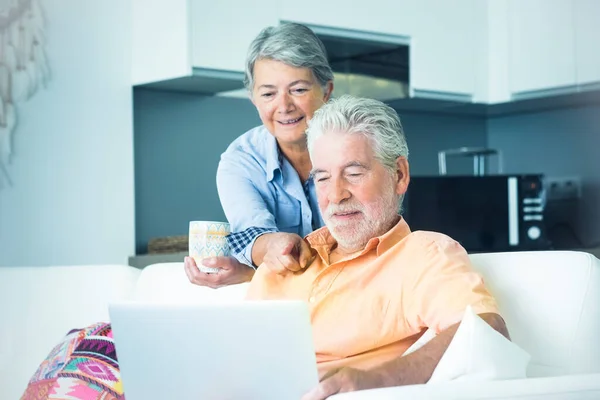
{"x":358,"y":196}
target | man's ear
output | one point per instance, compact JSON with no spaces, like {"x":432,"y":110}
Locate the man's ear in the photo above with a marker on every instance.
{"x":402,"y":174}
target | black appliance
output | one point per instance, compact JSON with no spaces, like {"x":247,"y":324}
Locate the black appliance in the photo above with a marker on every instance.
{"x":491,"y":213}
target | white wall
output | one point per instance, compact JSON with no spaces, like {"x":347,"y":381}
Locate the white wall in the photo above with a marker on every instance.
{"x":73,"y":195}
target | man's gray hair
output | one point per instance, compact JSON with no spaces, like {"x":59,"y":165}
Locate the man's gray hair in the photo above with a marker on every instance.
{"x":371,"y":118}
{"x":292,"y":44}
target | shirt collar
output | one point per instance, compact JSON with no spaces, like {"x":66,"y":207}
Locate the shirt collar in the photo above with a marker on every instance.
{"x":322,"y":241}
{"x":393,"y":236}
{"x":273,"y":155}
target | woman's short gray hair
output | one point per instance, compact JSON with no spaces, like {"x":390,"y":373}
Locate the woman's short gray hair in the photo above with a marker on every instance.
{"x":372,"y":118}
{"x":292,"y":44}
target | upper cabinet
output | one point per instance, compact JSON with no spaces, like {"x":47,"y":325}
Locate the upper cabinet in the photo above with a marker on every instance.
{"x":541,"y":45}
{"x":552,"y":46}
{"x":587,"y":41}
{"x":446,"y":44}
{"x":204,"y":41}
{"x":464,"y":50}
{"x":221,"y":31}
{"x":445,"y":37}
{"x":160,"y":40}
{"x":182,"y":38}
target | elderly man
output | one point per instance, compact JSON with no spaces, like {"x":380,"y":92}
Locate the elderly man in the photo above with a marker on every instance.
{"x":373,"y":286}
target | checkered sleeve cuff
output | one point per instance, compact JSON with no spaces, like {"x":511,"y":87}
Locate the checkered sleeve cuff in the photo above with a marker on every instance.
{"x":241,"y":243}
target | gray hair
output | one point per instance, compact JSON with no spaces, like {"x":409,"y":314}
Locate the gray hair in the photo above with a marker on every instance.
{"x":292,"y":44}
{"x":371,"y":118}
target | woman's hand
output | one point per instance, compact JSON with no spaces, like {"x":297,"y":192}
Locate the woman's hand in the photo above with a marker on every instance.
{"x":231,"y":271}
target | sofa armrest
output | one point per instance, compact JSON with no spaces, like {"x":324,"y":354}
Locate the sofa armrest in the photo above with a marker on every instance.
{"x":39,"y":305}
{"x":580,"y":387}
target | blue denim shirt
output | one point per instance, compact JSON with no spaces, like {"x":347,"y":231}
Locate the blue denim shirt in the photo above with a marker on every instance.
{"x":260,"y":192}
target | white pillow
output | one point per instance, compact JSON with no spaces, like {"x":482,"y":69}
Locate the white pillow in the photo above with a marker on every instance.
{"x":479,"y":352}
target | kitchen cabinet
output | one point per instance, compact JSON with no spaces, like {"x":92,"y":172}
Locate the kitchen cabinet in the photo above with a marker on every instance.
{"x":446,"y":46}
{"x":221,"y":31}
{"x":541,"y":46}
{"x":195,"y":38}
{"x":160,"y":40}
{"x":446,"y":38}
{"x":496,"y":54}
{"x":587,"y":41}
{"x":181,"y":38}
{"x":479,"y":51}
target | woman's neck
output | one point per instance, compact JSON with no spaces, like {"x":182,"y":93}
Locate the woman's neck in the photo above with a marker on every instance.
{"x":298,"y":156}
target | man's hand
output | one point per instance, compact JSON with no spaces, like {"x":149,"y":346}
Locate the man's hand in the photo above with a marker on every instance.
{"x":345,"y":380}
{"x":231,"y":271}
{"x":287,"y":252}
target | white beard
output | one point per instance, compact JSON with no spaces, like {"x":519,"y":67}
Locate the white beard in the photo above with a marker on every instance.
{"x":377,"y":219}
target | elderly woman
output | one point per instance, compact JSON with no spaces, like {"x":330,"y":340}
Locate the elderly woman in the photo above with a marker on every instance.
{"x":263,"y":177}
{"x":264,"y":186}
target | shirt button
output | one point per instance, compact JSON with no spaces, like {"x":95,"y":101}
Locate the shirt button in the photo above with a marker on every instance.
{"x":312,"y":299}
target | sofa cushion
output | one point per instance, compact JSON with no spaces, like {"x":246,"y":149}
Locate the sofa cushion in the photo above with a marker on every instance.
{"x":550,"y":301}
{"x":83,"y":366}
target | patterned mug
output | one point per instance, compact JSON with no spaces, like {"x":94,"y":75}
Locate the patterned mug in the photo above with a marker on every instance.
{"x":208,"y":239}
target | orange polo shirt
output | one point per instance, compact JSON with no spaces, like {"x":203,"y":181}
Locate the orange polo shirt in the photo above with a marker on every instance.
{"x":371,"y":306}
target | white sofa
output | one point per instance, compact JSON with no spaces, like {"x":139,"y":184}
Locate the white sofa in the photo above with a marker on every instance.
{"x":551,"y":304}
{"x":550,"y":301}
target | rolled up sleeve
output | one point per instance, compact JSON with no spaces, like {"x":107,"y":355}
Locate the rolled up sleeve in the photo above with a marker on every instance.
{"x":241,"y":243}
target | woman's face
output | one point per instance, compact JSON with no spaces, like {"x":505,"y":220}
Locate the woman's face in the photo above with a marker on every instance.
{"x":286,"y":98}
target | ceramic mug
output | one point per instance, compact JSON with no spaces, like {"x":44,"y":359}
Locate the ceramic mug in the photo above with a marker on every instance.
{"x":208,"y":239}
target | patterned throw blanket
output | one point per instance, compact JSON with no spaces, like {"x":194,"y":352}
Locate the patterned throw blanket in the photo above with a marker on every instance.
{"x":82,"y":367}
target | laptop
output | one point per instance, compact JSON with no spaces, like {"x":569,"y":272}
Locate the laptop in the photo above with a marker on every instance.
{"x":234,"y":350}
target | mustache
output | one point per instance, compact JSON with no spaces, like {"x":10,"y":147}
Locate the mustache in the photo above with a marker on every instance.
{"x":343,"y":208}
